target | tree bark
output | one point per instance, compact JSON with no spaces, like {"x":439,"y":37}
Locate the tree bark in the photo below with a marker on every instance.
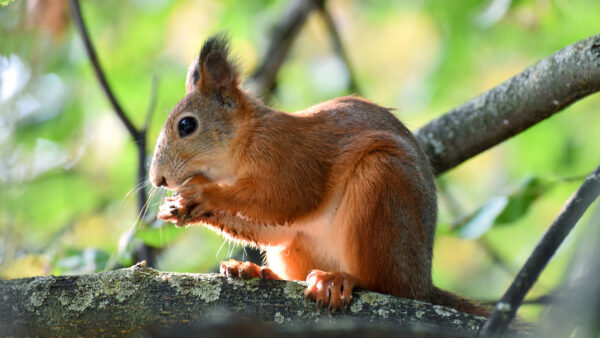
{"x":513,"y":106}
{"x":132,"y":300}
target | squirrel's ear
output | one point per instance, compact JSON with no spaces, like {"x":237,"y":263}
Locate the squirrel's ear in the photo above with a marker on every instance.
{"x":193,"y":76}
{"x":212,"y":72}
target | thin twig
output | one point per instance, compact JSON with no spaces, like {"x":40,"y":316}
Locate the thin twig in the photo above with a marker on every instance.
{"x":338,"y":46}
{"x":457,"y":212}
{"x":152,"y":103}
{"x":541,"y":300}
{"x":507,"y":307}
{"x":494,"y":255}
{"x":139,"y":136}
{"x":89,"y":47}
{"x":454,"y":206}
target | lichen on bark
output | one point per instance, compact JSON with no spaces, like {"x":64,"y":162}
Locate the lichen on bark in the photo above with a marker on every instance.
{"x":131,"y":300}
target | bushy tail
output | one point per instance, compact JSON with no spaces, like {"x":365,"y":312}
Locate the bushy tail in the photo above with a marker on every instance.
{"x":459,"y":303}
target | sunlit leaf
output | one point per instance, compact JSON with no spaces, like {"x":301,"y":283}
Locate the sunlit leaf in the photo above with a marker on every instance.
{"x":502,"y":209}
{"x":521,"y":200}
{"x":484,"y":218}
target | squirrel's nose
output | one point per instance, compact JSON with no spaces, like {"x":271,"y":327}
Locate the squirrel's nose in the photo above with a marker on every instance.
{"x":160,"y":181}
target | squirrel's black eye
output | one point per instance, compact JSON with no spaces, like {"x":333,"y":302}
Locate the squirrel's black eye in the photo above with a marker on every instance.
{"x":186,"y":126}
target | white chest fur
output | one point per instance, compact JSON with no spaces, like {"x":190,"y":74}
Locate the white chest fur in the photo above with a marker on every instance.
{"x":321,"y":236}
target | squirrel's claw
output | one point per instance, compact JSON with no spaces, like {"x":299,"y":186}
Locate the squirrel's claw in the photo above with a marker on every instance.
{"x":330,"y":289}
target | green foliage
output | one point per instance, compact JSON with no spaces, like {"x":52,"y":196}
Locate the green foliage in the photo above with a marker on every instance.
{"x":521,"y":200}
{"x":159,"y":237}
{"x":484,"y":218}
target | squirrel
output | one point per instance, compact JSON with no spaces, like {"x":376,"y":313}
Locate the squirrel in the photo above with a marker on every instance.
{"x":340,"y":194}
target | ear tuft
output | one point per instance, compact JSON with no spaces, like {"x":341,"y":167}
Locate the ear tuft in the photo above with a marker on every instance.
{"x":213,"y":72}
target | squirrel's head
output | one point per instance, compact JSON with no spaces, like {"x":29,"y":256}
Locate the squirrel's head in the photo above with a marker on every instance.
{"x":198,"y":131}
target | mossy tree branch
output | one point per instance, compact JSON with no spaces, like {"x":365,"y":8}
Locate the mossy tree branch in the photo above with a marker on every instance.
{"x":132,"y":300}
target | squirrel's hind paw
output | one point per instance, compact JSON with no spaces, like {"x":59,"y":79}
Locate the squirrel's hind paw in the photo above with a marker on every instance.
{"x":332,"y":290}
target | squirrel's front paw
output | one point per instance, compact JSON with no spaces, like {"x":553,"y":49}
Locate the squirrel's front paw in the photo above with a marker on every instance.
{"x":194,"y":202}
{"x":181,"y":211}
{"x":188,"y":205}
{"x":174,"y":210}
{"x":185,"y":208}
{"x":169,"y":210}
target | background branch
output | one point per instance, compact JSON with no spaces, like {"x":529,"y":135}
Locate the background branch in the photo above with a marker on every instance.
{"x":138,"y":135}
{"x":506,"y":309}
{"x":494,"y":255}
{"x":338,"y":46}
{"x":575,"y":306}
{"x":263,"y":80}
{"x":513,"y":106}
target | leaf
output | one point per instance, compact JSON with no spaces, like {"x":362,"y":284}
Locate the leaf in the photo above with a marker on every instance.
{"x":159,"y":237}
{"x":521,"y":200}
{"x":502,"y":209}
{"x":484,"y":218}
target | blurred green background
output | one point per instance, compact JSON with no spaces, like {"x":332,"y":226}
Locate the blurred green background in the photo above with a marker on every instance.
{"x":68,"y":166}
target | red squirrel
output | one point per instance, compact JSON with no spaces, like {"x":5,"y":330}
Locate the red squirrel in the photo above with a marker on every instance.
{"x":340,"y":194}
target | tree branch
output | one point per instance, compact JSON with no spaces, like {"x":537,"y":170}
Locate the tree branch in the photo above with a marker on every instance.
{"x":127,"y":301}
{"x":338,"y":46}
{"x":513,"y":106}
{"x":576,"y":305}
{"x":506,"y":309}
{"x":262,"y":81}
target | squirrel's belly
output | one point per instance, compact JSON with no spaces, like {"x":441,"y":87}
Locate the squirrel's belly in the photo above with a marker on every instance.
{"x":317,"y":244}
